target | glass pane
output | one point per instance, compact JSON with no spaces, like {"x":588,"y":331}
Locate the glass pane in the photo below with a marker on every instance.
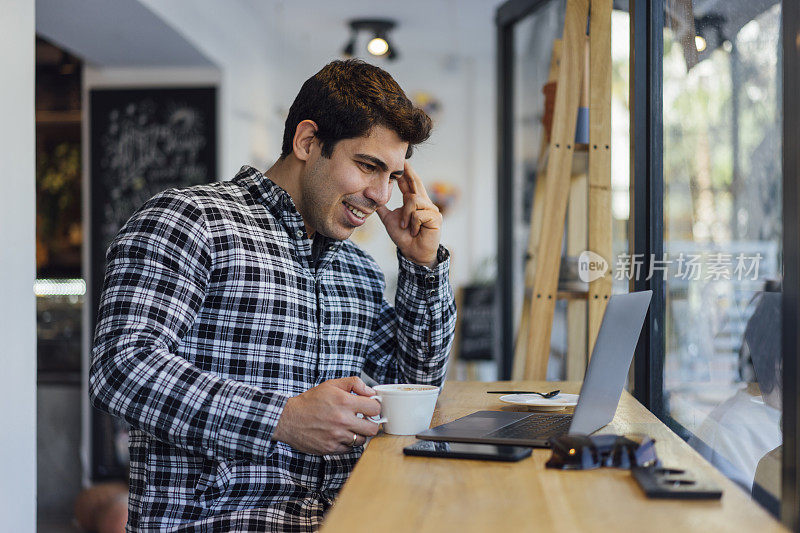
{"x":722,"y":235}
{"x":534,"y":99}
{"x":534,"y":39}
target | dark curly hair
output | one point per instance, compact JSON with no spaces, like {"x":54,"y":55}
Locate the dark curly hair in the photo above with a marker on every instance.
{"x":347,"y":99}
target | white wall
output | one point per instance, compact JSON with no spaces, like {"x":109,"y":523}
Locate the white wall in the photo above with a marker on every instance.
{"x":237,"y":43}
{"x":17,"y":269}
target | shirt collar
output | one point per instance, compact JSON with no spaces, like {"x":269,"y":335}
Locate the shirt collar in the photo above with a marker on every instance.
{"x":266,"y":192}
{"x":280,"y":204}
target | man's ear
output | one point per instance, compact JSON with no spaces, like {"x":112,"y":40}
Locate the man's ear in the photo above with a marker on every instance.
{"x":305,"y":135}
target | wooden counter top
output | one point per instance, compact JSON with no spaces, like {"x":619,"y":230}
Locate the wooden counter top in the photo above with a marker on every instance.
{"x":389,"y":491}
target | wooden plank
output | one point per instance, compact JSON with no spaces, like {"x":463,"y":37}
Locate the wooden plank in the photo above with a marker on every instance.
{"x":391,"y":492}
{"x":521,"y":343}
{"x":576,"y":309}
{"x":521,"y":346}
{"x":600,"y":239}
{"x":559,"y":165}
{"x":576,"y":340}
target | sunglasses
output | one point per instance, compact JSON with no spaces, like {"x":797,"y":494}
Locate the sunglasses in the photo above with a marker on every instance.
{"x":582,"y":452}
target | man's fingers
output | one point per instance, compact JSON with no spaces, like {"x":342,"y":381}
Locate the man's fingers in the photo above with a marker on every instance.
{"x":414,"y":203}
{"x":360,"y":441}
{"x":409,"y":208}
{"x":416,"y":223}
{"x":361,"y":388}
{"x":406,"y":185}
{"x":408,"y":181}
{"x":346,"y":384}
{"x":347,"y":443}
{"x":423,"y":217}
{"x":365,"y":405}
{"x":414,"y":181}
{"x":353,"y":384}
{"x":362,"y":426}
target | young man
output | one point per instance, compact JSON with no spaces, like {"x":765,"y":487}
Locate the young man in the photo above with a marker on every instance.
{"x":236,"y":317}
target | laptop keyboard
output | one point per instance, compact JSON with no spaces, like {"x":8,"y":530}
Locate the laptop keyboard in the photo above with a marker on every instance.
{"x":534,"y":426}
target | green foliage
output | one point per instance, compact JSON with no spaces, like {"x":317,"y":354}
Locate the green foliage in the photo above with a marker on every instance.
{"x":58,"y":198}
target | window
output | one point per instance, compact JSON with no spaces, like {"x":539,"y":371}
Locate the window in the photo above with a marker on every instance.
{"x":531,"y":38}
{"x":722,"y":236}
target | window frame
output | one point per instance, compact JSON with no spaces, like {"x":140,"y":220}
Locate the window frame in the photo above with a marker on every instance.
{"x":507,"y":16}
{"x":790,"y":483}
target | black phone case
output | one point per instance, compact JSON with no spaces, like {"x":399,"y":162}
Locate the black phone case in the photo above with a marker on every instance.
{"x":674,"y":483}
{"x":425,"y":448}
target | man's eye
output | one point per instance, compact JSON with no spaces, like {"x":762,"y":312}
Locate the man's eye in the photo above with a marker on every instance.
{"x":366,"y":166}
{"x":394,"y":177}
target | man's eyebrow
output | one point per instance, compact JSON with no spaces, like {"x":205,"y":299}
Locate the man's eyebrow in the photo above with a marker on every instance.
{"x":378,"y":163}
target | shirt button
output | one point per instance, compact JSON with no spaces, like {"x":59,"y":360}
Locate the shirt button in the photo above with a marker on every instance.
{"x":432,"y":292}
{"x":331,"y":247}
{"x":298,"y":233}
{"x":431,"y":278}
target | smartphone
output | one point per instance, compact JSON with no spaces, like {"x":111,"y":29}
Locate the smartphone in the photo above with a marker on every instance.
{"x":461,"y":450}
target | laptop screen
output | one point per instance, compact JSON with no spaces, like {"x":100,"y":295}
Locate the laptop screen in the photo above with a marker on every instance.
{"x":610,"y":361}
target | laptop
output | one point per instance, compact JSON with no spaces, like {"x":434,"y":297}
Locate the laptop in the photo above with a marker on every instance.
{"x":600,"y":393}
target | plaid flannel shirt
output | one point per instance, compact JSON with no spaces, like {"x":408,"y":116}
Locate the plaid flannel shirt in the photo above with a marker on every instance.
{"x":211,"y":317}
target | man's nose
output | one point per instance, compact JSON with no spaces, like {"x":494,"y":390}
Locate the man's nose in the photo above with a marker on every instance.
{"x":379,"y":190}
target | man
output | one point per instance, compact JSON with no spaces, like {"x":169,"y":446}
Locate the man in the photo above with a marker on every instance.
{"x":236,"y":317}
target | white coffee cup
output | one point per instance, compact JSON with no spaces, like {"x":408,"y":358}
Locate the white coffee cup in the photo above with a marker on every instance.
{"x":407,"y":408}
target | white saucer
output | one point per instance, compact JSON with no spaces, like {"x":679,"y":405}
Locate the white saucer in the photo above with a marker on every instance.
{"x":536,"y":402}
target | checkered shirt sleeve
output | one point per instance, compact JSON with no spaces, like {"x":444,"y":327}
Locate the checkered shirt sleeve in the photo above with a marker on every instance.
{"x":157,"y":272}
{"x":424,"y":296}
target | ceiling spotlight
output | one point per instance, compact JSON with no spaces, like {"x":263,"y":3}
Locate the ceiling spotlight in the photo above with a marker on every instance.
{"x":699,"y":43}
{"x":379,"y":44}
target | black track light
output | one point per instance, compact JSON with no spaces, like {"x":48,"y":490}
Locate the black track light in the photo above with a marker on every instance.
{"x":378,"y":44}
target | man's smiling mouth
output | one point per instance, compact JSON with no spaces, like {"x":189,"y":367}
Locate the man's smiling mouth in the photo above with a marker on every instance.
{"x":357,"y":212}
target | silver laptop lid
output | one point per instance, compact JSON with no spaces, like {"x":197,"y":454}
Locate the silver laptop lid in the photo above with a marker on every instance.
{"x":611,"y":359}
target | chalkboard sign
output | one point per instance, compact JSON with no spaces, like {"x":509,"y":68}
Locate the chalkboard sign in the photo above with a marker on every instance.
{"x":142,"y":142}
{"x":478,"y":323}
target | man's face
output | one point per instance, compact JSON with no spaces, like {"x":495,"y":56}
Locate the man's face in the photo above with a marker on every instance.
{"x":338,"y":194}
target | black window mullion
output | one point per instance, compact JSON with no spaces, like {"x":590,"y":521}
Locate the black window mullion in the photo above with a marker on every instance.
{"x":790,"y":483}
{"x":647,"y":222}
{"x":507,"y":16}
{"x":505,"y":192}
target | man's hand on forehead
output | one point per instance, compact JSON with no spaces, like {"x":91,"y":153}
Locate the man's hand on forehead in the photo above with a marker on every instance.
{"x":416,"y":226}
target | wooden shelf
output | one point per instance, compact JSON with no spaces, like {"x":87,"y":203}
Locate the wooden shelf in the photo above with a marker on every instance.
{"x":58,"y":117}
{"x":567,"y":294}
{"x":572,"y":295}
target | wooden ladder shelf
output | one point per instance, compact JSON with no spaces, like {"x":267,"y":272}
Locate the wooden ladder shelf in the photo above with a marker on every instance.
{"x":587,"y":190}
